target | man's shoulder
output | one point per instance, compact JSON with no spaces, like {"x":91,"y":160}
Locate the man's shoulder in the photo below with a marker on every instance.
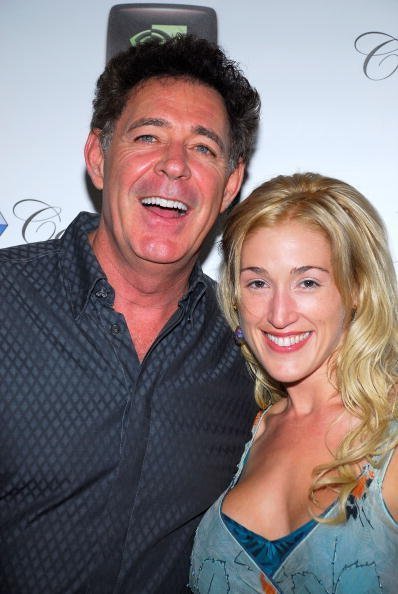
{"x":29,"y":252}
{"x":51,"y":248}
{"x":25,"y":269}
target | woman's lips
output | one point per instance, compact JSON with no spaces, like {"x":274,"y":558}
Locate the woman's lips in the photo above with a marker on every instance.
{"x":287,"y":343}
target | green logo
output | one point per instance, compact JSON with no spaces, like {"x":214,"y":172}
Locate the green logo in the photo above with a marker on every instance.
{"x":162,"y":32}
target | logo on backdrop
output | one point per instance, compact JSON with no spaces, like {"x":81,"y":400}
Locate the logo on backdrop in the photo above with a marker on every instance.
{"x":41,"y":221}
{"x":381,"y":51}
{"x":161,"y":32}
{"x":3,"y":224}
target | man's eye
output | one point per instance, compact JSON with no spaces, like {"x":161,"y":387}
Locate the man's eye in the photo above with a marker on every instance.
{"x":202,"y":148}
{"x":145,"y":138}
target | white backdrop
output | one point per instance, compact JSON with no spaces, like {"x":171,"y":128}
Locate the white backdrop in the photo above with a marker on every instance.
{"x":328,"y":106}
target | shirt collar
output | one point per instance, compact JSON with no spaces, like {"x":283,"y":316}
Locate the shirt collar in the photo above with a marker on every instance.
{"x":82,"y":271}
{"x":196,"y":290}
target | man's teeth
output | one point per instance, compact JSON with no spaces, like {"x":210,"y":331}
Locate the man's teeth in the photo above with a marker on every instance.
{"x":285,"y":341}
{"x":164,"y":203}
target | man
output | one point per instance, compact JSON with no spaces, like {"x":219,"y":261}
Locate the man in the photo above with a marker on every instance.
{"x":125,"y":403}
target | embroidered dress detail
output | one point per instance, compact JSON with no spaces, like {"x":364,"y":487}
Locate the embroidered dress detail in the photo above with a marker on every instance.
{"x":358,"y":556}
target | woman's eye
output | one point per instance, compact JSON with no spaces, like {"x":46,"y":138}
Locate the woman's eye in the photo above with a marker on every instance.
{"x":256,"y":284}
{"x":308,"y":283}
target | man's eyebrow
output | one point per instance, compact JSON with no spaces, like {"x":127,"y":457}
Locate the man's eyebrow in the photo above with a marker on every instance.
{"x":201,"y":130}
{"x":149,"y":122}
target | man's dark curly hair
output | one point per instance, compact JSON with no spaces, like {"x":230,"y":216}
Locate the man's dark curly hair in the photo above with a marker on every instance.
{"x":182,"y":56}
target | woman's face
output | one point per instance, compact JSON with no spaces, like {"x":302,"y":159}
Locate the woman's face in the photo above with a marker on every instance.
{"x":290,"y":309}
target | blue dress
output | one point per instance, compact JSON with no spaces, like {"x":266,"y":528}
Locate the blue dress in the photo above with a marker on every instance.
{"x":359,"y":556}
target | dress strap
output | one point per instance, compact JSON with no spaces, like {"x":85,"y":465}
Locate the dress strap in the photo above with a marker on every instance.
{"x":381,"y":462}
{"x":257,"y":422}
{"x":380,"y":466}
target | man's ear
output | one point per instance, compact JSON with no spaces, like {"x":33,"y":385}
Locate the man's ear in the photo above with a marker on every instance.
{"x":233,"y":185}
{"x":94,"y":157}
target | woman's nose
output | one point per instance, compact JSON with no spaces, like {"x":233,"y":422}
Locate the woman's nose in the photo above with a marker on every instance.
{"x":282,"y":309}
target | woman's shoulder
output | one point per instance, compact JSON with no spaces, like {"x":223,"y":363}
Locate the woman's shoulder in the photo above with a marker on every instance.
{"x":262,"y":417}
{"x":390,"y":484}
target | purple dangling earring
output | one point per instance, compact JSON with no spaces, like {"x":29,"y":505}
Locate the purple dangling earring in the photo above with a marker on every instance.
{"x":239,"y":336}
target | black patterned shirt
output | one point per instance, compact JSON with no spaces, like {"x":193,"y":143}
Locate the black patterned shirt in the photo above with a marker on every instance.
{"x":106,"y":464}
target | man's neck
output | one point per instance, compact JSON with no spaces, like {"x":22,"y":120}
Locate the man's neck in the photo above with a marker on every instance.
{"x":138,"y":281}
{"x":146,"y":293}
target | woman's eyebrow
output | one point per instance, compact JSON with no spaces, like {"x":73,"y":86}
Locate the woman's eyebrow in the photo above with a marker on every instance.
{"x":302,"y":269}
{"x":256,"y":269}
{"x":295,"y":270}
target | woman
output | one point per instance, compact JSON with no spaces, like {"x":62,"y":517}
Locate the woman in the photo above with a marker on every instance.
{"x":309,"y":285}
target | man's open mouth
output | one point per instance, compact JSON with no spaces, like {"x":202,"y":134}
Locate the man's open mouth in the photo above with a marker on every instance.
{"x":164,"y":203}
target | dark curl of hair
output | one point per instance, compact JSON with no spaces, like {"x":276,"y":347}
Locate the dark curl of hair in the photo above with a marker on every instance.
{"x":182,"y":56}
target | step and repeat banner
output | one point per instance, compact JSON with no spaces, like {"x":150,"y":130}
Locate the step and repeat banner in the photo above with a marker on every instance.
{"x":327,"y":73}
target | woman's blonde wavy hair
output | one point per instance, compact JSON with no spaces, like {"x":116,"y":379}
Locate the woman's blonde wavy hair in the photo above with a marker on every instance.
{"x":365,"y":368}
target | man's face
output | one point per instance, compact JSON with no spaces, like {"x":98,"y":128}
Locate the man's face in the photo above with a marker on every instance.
{"x":165,"y":175}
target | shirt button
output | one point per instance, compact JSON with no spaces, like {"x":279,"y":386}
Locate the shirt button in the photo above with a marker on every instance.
{"x":115,"y":329}
{"x":102,"y":293}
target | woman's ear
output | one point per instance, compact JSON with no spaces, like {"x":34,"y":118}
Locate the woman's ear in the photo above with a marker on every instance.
{"x":354,"y":304}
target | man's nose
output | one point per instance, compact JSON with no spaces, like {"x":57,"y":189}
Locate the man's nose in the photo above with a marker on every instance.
{"x":174,"y":162}
{"x":282,"y":309}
